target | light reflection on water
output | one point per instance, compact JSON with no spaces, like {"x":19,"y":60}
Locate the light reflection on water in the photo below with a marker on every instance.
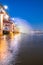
{"x":8,"y":47}
{"x":21,"y":49}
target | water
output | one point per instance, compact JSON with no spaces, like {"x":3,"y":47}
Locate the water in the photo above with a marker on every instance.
{"x":21,"y":49}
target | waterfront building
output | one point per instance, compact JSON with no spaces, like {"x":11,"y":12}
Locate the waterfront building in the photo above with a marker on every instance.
{"x":5,"y":23}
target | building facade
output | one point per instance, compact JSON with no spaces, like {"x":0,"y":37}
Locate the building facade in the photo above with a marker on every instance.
{"x":5,"y":23}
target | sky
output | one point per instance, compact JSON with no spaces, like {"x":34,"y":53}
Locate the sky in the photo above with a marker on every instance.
{"x":29,"y":10}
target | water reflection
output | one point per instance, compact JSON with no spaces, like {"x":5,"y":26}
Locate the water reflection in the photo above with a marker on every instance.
{"x":21,"y":49}
{"x":8,"y":48}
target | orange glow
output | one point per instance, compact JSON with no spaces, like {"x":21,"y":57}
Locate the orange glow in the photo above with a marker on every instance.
{"x":3,"y":50}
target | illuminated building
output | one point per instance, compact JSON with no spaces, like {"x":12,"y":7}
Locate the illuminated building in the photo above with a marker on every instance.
{"x":5,"y":23}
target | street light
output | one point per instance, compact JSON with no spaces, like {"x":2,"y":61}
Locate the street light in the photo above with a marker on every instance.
{"x":12,"y":19}
{"x":5,"y":6}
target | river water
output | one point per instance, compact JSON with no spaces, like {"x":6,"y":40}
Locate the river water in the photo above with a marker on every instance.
{"x":21,"y":49}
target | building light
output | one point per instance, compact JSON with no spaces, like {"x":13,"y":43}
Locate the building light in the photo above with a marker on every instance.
{"x":12,"y":19}
{"x":5,"y":6}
